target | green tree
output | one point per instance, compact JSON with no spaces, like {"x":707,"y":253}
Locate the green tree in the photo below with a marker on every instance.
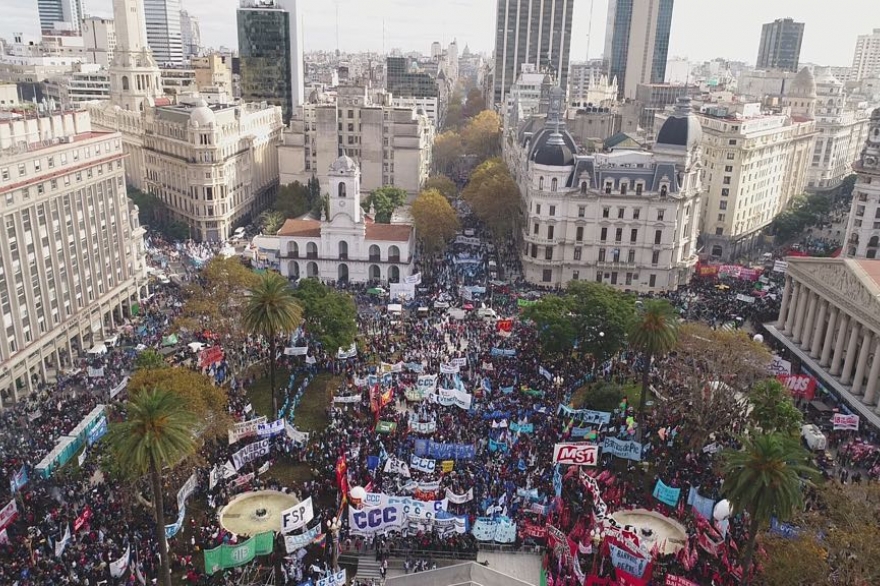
{"x":764,"y":480}
{"x":773,"y":408}
{"x":443,"y":184}
{"x":330,"y":315}
{"x":654,"y":333}
{"x":314,"y":187}
{"x":293,"y":200}
{"x":157,"y":433}
{"x":149,"y":359}
{"x":552,"y":317}
{"x":384,"y":201}
{"x":494,"y":197}
{"x":271,"y":222}
{"x":272,"y":310}
{"x":601,"y":396}
{"x":435,"y":220}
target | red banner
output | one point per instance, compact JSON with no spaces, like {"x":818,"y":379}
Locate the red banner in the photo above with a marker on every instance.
{"x":504,"y":325}
{"x":801,"y":386}
{"x":678,"y":581}
{"x":82,"y":519}
{"x":597,"y":581}
{"x":210,"y":356}
{"x":707,"y":270}
{"x":342,"y":475}
{"x":534,"y":531}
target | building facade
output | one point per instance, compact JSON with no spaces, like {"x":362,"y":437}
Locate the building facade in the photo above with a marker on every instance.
{"x":391,"y":145}
{"x":86,"y":83}
{"x":627,"y":218}
{"x":863,"y":228}
{"x":190,"y":34}
{"x":99,"y":37}
{"x":780,"y":46}
{"x":67,"y":11}
{"x":163,"y":31}
{"x":71,"y":250}
{"x":830,"y":322}
{"x":530,"y":31}
{"x":866,"y":57}
{"x":589,"y":86}
{"x":637,"y":42}
{"x":347,"y":246}
{"x":213,"y":71}
{"x":842,"y":131}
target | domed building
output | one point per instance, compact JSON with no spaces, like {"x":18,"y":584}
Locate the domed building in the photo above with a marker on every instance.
{"x":628,"y":218}
{"x":346,"y":244}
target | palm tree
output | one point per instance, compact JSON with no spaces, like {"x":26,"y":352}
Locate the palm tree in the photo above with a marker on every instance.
{"x":764,"y":480}
{"x":158,"y":431}
{"x":271,"y":310}
{"x":653,"y":333}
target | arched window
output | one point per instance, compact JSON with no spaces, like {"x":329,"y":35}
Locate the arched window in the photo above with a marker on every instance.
{"x":553,"y":184}
{"x":873,"y":241}
{"x":393,"y":254}
{"x":311,"y":250}
{"x":393,"y":274}
{"x":540,"y":183}
{"x":343,"y":249}
{"x":375,"y":253}
{"x":125,"y":82}
{"x":663,"y":191}
{"x":583,"y":186}
{"x":341,"y":189}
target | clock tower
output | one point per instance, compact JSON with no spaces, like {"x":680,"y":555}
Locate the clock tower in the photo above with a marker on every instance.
{"x":862,"y":233}
{"x":345,"y":190}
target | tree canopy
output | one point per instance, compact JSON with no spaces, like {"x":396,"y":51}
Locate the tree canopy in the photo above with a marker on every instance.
{"x":294,"y":200}
{"x":773,"y":408}
{"x":482,"y":135}
{"x":330,"y":315}
{"x":494,"y":197}
{"x":271,"y":221}
{"x":435,"y":220}
{"x":383,"y":202}
{"x":474,"y":104}
{"x":592,"y":317}
{"x":215,"y":299}
{"x":448,"y":147}
{"x":153,"y":212}
{"x":443,"y":184}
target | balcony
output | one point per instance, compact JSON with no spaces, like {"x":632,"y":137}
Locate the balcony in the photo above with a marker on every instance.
{"x":290,"y":254}
{"x":375,"y":258}
{"x":312,"y":255}
{"x":616,"y":264}
{"x":343,"y":256}
{"x":394,"y":259}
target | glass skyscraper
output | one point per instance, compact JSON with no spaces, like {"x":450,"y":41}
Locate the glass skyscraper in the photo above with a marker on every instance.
{"x":780,"y":46}
{"x":537,"y":32}
{"x":637,"y":29}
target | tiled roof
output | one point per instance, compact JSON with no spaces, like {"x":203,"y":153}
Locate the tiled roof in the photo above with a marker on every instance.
{"x":392,"y":232}
{"x":301,"y":228}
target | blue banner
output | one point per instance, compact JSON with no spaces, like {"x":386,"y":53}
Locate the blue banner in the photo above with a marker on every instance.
{"x":416,"y":367}
{"x":508,"y":353}
{"x":703,"y":506}
{"x":425,"y":448}
{"x":627,"y":449}
{"x":497,"y":446}
{"x":19,"y":479}
{"x":98,"y":431}
{"x":487,"y":384}
{"x":786,"y":530}
{"x":627,"y":562}
{"x":666,"y":494}
{"x":522,"y":427}
{"x":557,"y":480}
{"x":586,"y":415}
{"x":507,"y":390}
{"x":499,"y":529}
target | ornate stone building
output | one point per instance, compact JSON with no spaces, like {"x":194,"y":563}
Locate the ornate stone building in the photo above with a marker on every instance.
{"x":863,"y":228}
{"x":830,"y":320}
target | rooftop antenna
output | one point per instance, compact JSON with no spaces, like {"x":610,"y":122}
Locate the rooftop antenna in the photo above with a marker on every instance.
{"x":589,"y":30}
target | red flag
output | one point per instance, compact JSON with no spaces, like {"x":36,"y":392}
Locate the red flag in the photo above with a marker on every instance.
{"x":504,"y":325}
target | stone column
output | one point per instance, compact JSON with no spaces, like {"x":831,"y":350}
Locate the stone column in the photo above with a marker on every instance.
{"x":864,"y":352}
{"x":800,"y":314}
{"x":873,"y":376}
{"x":846,"y":374}
{"x":786,"y":297}
{"x":817,"y":335}
{"x":838,"y":346}
{"x":795,"y":299}
{"x":809,"y":326}
{"x":829,"y":336}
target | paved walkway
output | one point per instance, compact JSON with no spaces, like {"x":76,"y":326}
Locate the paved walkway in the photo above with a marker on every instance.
{"x":522,"y":566}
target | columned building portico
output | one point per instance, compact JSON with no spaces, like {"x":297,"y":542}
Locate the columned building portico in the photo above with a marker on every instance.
{"x":830,"y":312}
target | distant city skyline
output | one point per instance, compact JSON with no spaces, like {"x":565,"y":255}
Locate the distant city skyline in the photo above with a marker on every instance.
{"x":700,"y":31}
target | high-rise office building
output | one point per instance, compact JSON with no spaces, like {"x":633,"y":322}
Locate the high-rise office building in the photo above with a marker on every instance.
{"x":190,"y":34}
{"x":637,"y":42}
{"x":52,"y":11}
{"x":866,"y":58}
{"x":537,"y":32}
{"x":780,"y":46}
{"x":163,"y":30}
{"x":71,"y":250}
{"x":99,"y":39}
{"x":271,"y":52}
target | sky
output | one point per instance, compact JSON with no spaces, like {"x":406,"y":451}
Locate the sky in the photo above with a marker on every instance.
{"x":701,"y":29}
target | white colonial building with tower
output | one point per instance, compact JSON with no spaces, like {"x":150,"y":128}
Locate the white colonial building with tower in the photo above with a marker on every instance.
{"x":629,"y":218}
{"x":349,"y":245}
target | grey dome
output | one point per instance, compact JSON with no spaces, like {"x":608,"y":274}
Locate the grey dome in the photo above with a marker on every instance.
{"x":554,"y":152}
{"x":344,"y":165}
{"x":682,"y":128}
{"x":803,"y":84}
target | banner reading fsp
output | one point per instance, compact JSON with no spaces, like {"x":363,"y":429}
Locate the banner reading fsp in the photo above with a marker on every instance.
{"x":297,"y":516}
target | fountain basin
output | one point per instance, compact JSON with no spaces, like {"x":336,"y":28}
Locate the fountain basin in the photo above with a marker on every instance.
{"x":253,"y":512}
{"x":668,"y":534}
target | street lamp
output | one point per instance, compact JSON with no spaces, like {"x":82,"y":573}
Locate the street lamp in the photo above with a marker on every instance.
{"x":333,"y":526}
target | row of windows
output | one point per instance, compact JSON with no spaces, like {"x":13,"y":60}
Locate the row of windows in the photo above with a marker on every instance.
{"x":36,"y":165}
{"x":547,"y":277}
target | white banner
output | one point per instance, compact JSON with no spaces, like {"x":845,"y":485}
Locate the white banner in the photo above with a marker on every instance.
{"x":448,"y":397}
{"x":263,"y":469}
{"x":213,"y":477}
{"x":186,"y":490}
{"x":296,"y":351}
{"x":426,"y":383}
{"x":745,"y":298}
{"x":337,"y":579}
{"x":271,"y":429}
{"x":396,"y":466}
{"x":429,"y":486}
{"x":345,"y":353}
{"x":118,"y":388}
{"x":422,"y":464}
{"x":779,"y":366}
{"x":413,"y":279}
{"x":459,"y":499}
{"x":466,"y":240}
{"x":425,"y":427}
{"x":401,"y":291}
{"x":245,"y":429}
{"x":242,"y":480}
{"x":301,"y":540}
{"x":780,"y":266}
{"x":449,"y":369}
{"x":459,"y":362}
{"x":349,"y":399}
{"x":96,"y":372}
{"x":118,"y":567}
{"x":845,"y":422}
{"x":296,"y":436}
{"x":61,"y":544}
{"x":297,"y":516}
{"x":249,"y":453}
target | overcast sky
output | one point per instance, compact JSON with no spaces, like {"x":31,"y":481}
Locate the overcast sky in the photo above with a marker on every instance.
{"x":701,"y":29}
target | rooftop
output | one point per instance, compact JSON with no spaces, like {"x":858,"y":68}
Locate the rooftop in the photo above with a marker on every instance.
{"x":301,"y":228}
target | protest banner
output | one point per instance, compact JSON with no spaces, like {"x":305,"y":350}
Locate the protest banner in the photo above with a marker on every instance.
{"x":249,"y":453}
{"x":245,"y":429}
{"x":297,"y":516}
{"x":447,"y":466}
{"x":585,"y":415}
{"x":628,"y":562}
{"x":232,"y":556}
{"x":296,"y":436}
{"x":627,"y":449}
{"x":118,"y":567}
{"x":443,"y":451}
{"x":345,"y":353}
{"x":426,"y":427}
{"x":666,"y":494}
{"x":333,"y":579}
{"x":19,"y":479}
{"x":801,"y":386}
{"x":499,"y":529}
{"x":386,"y":427}
{"x":296,"y":351}
{"x":844,"y":422}
{"x":301,"y":540}
{"x":8,"y":514}
{"x":578,"y":454}
{"x":779,"y":266}
{"x":460,"y":499}
{"x":779,"y":366}
{"x":396,"y":466}
{"x":271,"y":429}
{"x":421,"y":464}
